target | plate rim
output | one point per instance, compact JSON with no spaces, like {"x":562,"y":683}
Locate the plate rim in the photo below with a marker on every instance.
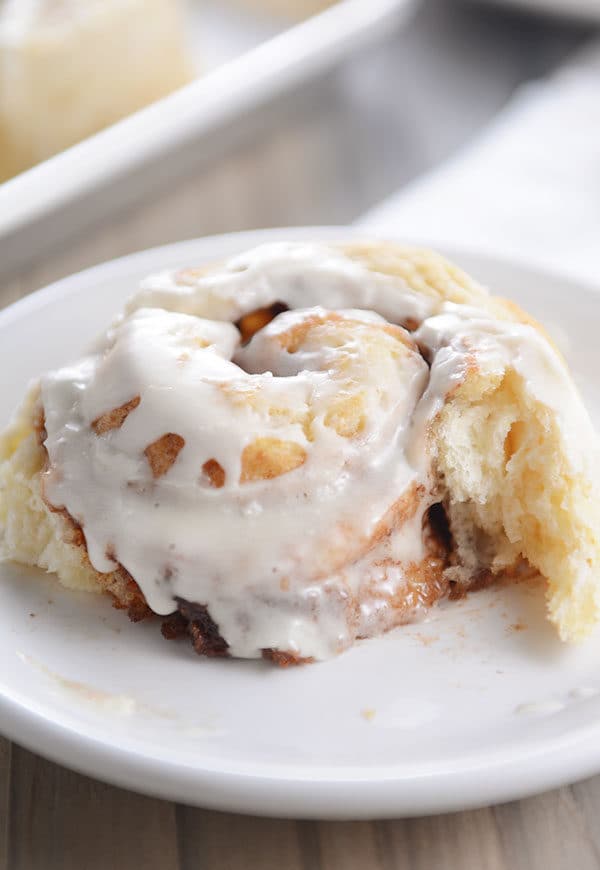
{"x":486,"y":778}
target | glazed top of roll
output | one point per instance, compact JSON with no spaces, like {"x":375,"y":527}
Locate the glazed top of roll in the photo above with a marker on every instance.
{"x":257,"y":436}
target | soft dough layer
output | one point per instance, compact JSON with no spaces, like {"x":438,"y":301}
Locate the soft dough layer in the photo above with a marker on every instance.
{"x":34,"y":535}
{"x":279,"y":474}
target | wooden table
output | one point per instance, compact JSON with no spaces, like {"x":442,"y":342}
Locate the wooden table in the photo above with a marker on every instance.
{"x":321,"y":156}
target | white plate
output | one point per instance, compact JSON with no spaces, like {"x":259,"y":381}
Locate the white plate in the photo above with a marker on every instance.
{"x":479,"y":704}
{"x":247,"y":60}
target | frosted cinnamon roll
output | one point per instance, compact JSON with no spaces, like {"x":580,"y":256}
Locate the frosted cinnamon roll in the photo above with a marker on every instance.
{"x":307,"y":445}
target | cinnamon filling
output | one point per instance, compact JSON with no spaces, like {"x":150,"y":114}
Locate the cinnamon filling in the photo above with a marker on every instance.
{"x":114,"y":419}
{"x":256,"y":320}
{"x":195,"y":622}
{"x":214,"y":473}
{"x":163,"y":452}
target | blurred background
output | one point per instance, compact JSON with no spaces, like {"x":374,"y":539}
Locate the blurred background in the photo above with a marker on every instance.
{"x":355,"y":120}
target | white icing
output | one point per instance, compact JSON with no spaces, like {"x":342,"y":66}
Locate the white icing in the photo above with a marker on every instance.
{"x":290,"y":563}
{"x":300,"y":275}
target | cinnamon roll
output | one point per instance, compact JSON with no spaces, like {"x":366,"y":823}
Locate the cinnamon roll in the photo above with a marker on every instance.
{"x":70,"y":68}
{"x":306,"y":445}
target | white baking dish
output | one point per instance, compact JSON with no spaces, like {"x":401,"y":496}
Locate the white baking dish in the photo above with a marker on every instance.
{"x":246,"y":61}
{"x":585,"y":10}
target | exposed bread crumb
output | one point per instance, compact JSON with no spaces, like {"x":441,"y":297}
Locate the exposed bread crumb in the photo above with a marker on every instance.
{"x":426,"y":639}
{"x":266,"y":458}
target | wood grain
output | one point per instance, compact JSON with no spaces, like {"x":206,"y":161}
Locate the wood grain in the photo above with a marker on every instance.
{"x":62,"y":821}
{"x":322,"y":156}
{"x":219,"y":839}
